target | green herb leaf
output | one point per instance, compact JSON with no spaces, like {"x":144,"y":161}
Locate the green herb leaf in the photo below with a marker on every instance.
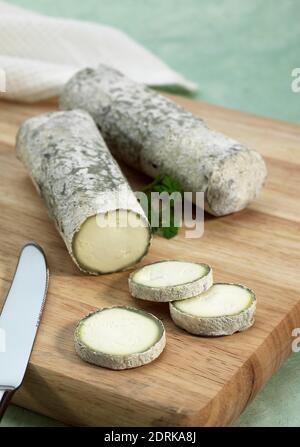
{"x":163,"y":183}
{"x":168,"y":232}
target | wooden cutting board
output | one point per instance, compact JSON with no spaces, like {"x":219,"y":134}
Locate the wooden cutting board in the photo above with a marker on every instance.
{"x":196,"y":381}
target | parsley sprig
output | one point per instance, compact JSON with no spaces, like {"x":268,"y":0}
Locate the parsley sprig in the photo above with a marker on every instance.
{"x":163,"y":183}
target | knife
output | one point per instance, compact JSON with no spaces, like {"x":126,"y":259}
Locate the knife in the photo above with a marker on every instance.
{"x":20,"y":318}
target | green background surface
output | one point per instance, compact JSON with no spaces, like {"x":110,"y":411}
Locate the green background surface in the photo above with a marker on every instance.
{"x":241,"y":53}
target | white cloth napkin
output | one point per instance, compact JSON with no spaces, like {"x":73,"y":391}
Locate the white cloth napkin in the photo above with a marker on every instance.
{"x":38,"y":54}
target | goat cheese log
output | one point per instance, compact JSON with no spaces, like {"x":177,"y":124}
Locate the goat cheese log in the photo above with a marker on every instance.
{"x":87,"y":196}
{"x":155,"y":135}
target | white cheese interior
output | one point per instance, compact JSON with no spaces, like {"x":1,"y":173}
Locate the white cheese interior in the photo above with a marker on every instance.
{"x":106,"y":244}
{"x":119,"y":331}
{"x":219,"y":300}
{"x":169,"y":273}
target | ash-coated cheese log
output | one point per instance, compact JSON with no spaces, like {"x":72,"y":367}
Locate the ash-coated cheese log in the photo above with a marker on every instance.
{"x":87,"y":196}
{"x":155,"y":135}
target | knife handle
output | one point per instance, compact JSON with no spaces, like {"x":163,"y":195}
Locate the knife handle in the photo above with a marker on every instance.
{"x":5,"y":398}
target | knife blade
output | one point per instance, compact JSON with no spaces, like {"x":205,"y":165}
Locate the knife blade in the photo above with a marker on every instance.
{"x":20,"y":318}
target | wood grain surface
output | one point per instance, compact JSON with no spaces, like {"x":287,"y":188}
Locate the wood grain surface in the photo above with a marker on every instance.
{"x":196,"y":381}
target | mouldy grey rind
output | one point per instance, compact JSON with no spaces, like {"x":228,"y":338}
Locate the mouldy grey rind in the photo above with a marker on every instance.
{"x":119,"y":362}
{"x":170,"y":293}
{"x":215,"y":326}
{"x":155,"y":135}
{"x":78,"y":179}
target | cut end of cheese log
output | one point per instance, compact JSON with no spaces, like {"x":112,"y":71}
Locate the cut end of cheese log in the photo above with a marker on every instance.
{"x":106,"y":249}
{"x":170,"y":280}
{"x":222,"y":310}
{"x":119,"y":337}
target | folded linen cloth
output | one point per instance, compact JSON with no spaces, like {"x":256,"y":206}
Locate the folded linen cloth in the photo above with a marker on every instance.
{"x":38,"y":54}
